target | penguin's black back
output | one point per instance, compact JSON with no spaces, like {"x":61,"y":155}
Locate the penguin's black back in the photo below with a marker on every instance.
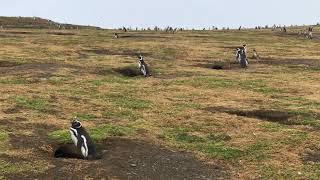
{"x":91,"y":146}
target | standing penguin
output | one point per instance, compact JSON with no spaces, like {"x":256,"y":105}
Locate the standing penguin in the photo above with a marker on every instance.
{"x":241,"y":56}
{"x":82,"y":140}
{"x":143,"y":67}
{"x":255,"y":54}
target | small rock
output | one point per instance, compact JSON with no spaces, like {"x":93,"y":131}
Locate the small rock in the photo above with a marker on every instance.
{"x":133,"y":165}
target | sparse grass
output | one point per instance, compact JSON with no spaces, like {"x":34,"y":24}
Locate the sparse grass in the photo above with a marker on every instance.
{"x":86,"y":117}
{"x":57,"y":80}
{"x":123,"y":114}
{"x":207,"y":82}
{"x":30,"y":103}
{"x":259,"y":85}
{"x":124,"y":101}
{"x":97,"y":133}
{"x":13,"y":81}
{"x":272,"y":127}
{"x":212,"y":145}
{"x":3,"y":136}
{"x":24,"y":167}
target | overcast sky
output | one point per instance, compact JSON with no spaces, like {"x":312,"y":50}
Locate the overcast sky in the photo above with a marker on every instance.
{"x":177,"y":13}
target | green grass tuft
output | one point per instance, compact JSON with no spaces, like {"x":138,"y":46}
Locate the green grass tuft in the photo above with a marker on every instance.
{"x":86,"y":117}
{"x":34,"y":104}
{"x":96,"y":133}
{"x":124,"y":101}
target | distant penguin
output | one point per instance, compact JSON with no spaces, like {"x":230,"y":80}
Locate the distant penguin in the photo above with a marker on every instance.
{"x":82,"y":140}
{"x":143,"y":67}
{"x":255,"y":54}
{"x":115,"y":36}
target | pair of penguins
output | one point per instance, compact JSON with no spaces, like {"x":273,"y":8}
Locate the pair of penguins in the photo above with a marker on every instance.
{"x":241,"y":56}
{"x":85,"y":148}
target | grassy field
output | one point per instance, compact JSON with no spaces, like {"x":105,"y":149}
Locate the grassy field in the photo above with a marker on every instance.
{"x":257,"y":123}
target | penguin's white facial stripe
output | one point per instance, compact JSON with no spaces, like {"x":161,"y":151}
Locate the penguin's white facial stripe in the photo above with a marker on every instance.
{"x":74,"y":131}
{"x":74,"y":136}
{"x":84,"y":147}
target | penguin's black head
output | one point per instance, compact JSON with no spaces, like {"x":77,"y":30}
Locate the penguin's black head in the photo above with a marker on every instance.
{"x":140,"y":57}
{"x":76,"y":124}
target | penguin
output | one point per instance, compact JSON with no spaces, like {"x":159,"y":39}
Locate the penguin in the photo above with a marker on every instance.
{"x":255,"y":54}
{"x":241,"y":56}
{"x":240,"y":51}
{"x":143,"y":67}
{"x":82,"y":140}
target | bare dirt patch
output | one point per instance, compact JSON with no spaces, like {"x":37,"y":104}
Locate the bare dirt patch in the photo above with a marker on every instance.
{"x":128,"y":71}
{"x":220,"y":65}
{"x":61,"y":33}
{"x":311,"y":155}
{"x":8,"y":64}
{"x":135,"y":159}
{"x":13,"y":110}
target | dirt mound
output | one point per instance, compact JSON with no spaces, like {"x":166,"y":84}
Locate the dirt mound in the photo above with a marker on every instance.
{"x":133,"y":159}
{"x":282,"y":117}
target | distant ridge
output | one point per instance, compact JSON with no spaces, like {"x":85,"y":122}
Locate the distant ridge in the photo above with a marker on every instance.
{"x":37,"y":23}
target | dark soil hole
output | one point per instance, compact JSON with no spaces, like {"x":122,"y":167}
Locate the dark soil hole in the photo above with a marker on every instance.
{"x":282,"y":117}
{"x":220,"y":65}
{"x":312,"y":156}
{"x":269,"y":115}
{"x":129,"y":71}
{"x":13,"y":110}
{"x":61,"y":33}
{"x":8,"y":64}
{"x":67,"y":151}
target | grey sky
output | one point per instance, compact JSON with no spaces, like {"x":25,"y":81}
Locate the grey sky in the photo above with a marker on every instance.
{"x":180,"y":13}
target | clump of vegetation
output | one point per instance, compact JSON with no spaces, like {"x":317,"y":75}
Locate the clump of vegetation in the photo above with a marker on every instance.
{"x":30,"y":103}
{"x":97,"y":133}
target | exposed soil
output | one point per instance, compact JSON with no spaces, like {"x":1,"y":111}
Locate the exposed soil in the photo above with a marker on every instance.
{"x":13,"y":110}
{"x":220,"y":65}
{"x":312,"y":156}
{"x":61,"y":33}
{"x":281,"y":117}
{"x":8,"y":64}
{"x":121,"y":158}
{"x":128,"y":71}
{"x":135,"y":159}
